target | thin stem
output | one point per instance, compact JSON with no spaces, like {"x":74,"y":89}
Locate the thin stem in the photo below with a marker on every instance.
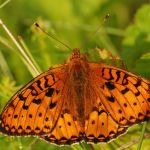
{"x":3,"y":4}
{"x":142,"y":136}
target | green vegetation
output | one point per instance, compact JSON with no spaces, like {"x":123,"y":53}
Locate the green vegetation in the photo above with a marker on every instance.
{"x":125,"y":34}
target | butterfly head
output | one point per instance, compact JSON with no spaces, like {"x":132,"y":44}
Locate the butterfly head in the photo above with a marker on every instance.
{"x":78,"y":62}
{"x":77,"y":56}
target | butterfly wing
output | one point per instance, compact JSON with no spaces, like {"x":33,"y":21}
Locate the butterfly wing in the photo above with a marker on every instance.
{"x":124,"y":95}
{"x":35,"y":108}
{"x":47,"y":106}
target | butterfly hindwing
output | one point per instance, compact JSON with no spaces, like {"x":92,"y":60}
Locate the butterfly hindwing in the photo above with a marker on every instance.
{"x":67,"y":131}
{"x":100,"y":127}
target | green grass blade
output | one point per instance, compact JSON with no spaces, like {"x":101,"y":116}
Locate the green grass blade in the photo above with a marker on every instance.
{"x":4,"y":3}
{"x":142,"y":136}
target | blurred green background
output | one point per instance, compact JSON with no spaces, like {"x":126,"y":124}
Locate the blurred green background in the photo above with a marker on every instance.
{"x":125,"y":34}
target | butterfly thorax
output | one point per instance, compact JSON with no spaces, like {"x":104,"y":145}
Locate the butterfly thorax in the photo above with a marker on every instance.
{"x":78,"y":69}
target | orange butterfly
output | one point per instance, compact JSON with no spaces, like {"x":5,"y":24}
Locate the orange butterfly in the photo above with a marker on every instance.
{"x":78,"y":101}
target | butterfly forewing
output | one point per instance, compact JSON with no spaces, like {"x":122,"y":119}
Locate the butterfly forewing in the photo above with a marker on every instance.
{"x":124,"y":95}
{"x":36,"y":107}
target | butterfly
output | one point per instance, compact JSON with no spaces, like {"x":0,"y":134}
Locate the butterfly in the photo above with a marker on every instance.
{"x":77,"y":101}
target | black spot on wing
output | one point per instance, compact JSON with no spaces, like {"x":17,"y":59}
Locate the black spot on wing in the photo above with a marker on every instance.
{"x":46,"y":119}
{"x":52,"y":105}
{"x":20,"y":127}
{"x":69,"y":123}
{"x":100,"y":112}
{"x":50,"y":92}
{"x":25,"y":107}
{"x":21,"y":97}
{"x":30,"y":115}
{"x":110,"y":85}
{"x":37,"y":128}
{"x":119,"y":111}
{"x":138,"y":83}
{"x":15,"y":116}
{"x":47,"y":127}
{"x":110,"y":74}
{"x":110,"y":98}
{"x":37,"y":101}
{"x":125,"y":81}
{"x":33,"y":90}
{"x":118,"y":75}
{"x":125,"y":105}
{"x":28,"y":127}
{"x":124,"y":91}
{"x":53,"y":77}
{"x":137,"y":93}
{"x":46,"y":82}
{"x":39,"y":85}
{"x":40,"y":114}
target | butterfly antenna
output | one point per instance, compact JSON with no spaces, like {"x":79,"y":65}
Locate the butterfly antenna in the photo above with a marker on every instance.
{"x":51,"y":36}
{"x":98,"y":28}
